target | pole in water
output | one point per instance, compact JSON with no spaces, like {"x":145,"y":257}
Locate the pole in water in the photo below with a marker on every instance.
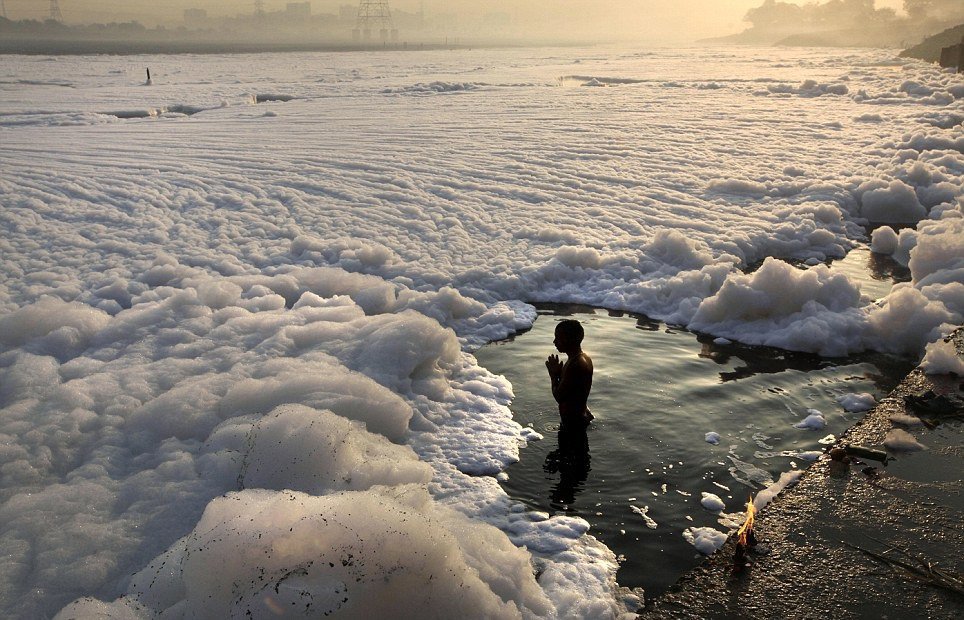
{"x":148,"y":74}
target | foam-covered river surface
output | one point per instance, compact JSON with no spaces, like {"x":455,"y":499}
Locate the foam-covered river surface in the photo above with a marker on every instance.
{"x":239,"y":307}
{"x":657,"y":391}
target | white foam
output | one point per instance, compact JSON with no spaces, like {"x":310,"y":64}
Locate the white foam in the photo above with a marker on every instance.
{"x":813,"y":422}
{"x":857,"y":402}
{"x":893,"y":202}
{"x":883,"y":240}
{"x":905,"y":420}
{"x":356,"y":553}
{"x":779,"y":305}
{"x":644,"y":513}
{"x":787,"y":479}
{"x":748,"y":473}
{"x":942,"y":357}
{"x":706,"y":539}
{"x":900,"y":440}
{"x":712,"y":502}
{"x":187,"y":309}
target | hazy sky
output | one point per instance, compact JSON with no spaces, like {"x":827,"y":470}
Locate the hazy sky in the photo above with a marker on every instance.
{"x":669,"y":20}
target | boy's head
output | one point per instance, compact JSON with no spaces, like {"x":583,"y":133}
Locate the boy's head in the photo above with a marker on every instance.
{"x":569,"y":335}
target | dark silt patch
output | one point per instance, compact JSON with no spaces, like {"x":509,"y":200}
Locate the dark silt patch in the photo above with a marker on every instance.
{"x":269,"y":97}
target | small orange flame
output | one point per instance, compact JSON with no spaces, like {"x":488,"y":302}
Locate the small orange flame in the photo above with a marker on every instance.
{"x":747,"y":526}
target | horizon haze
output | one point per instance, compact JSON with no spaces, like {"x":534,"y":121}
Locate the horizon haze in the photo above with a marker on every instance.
{"x":640,"y":21}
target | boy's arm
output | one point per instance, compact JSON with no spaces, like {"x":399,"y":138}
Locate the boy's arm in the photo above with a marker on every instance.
{"x":556,"y":372}
{"x":562,"y":383}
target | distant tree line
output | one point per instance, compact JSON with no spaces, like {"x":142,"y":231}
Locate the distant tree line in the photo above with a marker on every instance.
{"x":840,"y":14}
{"x":51,"y":27}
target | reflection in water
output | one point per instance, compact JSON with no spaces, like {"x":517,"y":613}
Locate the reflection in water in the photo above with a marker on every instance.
{"x":885,"y":268}
{"x":767,"y":361}
{"x":571,"y":461}
{"x":646,"y":324}
{"x":571,"y":309}
{"x":762,"y":361}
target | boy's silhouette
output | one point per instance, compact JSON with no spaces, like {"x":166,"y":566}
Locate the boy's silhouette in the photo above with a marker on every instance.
{"x":572,"y":381}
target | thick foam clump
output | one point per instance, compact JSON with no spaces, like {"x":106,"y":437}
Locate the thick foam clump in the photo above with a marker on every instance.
{"x":899,"y":440}
{"x":56,"y":326}
{"x":706,"y":539}
{"x":883,"y":240}
{"x":891,"y":203}
{"x":906,"y":320}
{"x":712,"y":502}
{"x":370,"y":553}
{"x":818,"y":311}
{"x":857,"y":402}
{"x":303,"y":449}
{"x":813,"y":422}
{"x":938,"y":257}
{"x":779,"y":305}
{"x":913,"y":315}
{"x":323,"y":385}
{"x":195,"y":392}
{"x":225,"y":385}
{"x":941,"y":357}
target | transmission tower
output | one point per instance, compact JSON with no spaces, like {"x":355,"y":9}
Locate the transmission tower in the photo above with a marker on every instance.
{"x":55,"y":11}
{"x":259,"y":8}
{"x":3,"y":10}
{"x":374,"y":14}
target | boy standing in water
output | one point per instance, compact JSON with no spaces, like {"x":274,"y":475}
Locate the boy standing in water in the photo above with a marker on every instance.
{"x":571,"y":381}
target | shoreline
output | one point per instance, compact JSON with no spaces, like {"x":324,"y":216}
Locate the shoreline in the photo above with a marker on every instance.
{"x":81,"y":47}
{"x":127,"y":47}
{"x":823,"y":535}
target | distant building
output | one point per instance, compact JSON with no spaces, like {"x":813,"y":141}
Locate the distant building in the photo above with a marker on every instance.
{"x":297,"y":10}
{"x":953,"y":56}
{"x":193,"y":16}
{"x":348,"y":12}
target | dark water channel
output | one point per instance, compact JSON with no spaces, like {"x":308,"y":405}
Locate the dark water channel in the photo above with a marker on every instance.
{"x":657,"y":391}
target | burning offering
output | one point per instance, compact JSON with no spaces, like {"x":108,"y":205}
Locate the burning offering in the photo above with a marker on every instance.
{"x":744,"y":539}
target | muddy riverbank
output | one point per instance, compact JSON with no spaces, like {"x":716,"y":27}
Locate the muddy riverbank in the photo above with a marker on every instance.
{"x":864,"y":540}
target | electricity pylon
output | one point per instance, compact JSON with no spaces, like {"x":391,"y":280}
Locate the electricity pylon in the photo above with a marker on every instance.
{"x":372,"y":14}
{"x":55,"y":11}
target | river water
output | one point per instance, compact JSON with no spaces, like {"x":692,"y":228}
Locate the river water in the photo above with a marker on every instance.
{"x":657,"y":391}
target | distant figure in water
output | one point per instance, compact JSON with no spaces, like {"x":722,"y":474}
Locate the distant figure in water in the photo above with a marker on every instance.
{"x":571,"y":381}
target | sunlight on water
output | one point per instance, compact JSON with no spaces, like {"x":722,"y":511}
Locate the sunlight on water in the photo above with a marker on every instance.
{"x":875,"y":273}
{"x":657,"y":391}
